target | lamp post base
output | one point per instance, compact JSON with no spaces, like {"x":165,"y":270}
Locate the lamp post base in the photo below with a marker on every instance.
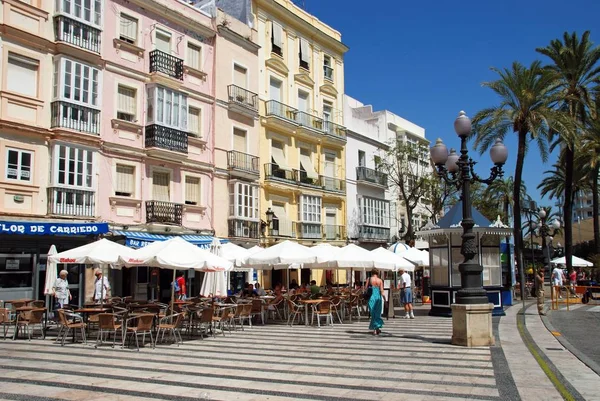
{"x":472,"y":325}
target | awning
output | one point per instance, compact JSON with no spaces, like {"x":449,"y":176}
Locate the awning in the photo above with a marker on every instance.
{"x":308,"y":166}
{"x":139,"y":239}
{"x":279,"y":158}
{"x":49,"y":228}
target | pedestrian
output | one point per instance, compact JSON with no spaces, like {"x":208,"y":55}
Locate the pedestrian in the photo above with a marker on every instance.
{"x":406,"y":294}
{"x":573,"y":281}
{"x":101,"y":287}
{"x":539,"y":281}
{"x":557,"y":281}
{"x":375,"y":302}
{"x":182,"y":293}
{"x":60,"y":289}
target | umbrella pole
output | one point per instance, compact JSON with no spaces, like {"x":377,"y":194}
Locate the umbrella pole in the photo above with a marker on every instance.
{"x":102,"y":288}
{"x":173,"y":292}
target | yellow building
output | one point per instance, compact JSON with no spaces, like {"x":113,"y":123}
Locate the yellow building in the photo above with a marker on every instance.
{"x":302,"y":139}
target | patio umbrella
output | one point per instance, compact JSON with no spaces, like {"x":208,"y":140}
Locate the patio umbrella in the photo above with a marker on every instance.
{"x":214,"y":283}
{"x":384,"y":258}
{"x":50,"y":279}
{"x":577,"y":262}
{"x":234,"y":253}
{"x":420,"y":258}
{"x":281,"y":256}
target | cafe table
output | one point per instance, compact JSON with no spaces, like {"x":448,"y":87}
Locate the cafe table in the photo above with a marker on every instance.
{"x":311,"y":303}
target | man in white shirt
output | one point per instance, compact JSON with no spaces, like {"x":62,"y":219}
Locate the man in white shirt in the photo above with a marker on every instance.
{"x":100,"y":292}
{"x":406,"y":294}
{"x":557,"y":279}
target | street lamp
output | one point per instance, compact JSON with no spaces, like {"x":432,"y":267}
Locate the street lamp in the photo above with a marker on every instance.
{"x":459,"y":170}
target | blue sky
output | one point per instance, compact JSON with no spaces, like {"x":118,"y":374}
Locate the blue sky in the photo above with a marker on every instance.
{"x":426,"y":60}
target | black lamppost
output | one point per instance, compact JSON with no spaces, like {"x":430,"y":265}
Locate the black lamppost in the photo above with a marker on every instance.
{"x":547,"y":232}
{"x":459,"y":171}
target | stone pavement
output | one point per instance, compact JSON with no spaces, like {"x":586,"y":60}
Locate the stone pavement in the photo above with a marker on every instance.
{"x":411,"y":360}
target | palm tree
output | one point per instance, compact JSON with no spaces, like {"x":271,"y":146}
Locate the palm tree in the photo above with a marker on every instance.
{"x":502,"y":191}
{"x":575,"y":70}
{"x":591,"y":161}
{"x":526,"y":109}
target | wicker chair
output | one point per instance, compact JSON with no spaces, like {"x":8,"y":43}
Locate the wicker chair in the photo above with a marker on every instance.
{"x":108,"y":323}
{"x":30,"y":319}
{"x":5,"y":320}
{"x":38,"y":304}
{"x":143,"y":327}
{"x":67,"y":326}
{"x":245,"y":313}
{"x":257,"y":309}
{"x":206,"y":321}
{"x":336,"y":305}
{"x":322,"y":309}
{"x":172,"y":324}
{"x":294,"y":310}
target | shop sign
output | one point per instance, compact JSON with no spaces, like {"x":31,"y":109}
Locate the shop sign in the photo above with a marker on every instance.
{"x":9,"y":227}
{"x":138,"y":243}
{"x":12,"y":264}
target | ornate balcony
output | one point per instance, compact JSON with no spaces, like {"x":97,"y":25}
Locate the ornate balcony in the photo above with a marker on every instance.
{"x":77,"y":33}
{"x":273,"y":172}
{"x":281,"y":115}
{"x":160,"y":139}
{"x":333,"y":184}
{"x":334,"y":232}
{"x":371,"y":233}
{"x":164,"y":212}
{"x":371,"y":177}
{"x":334,"y":130}
{"x":75,"y":117}
{"x":302,"y":178}
{"x":166,"y":64}
{"x":242,"y":101}
{"x":244,"y":229}
{"x":309,"y":230}
{"x":311,"y":124}
{"x":71,"y":202}
{"x":243,"y":164}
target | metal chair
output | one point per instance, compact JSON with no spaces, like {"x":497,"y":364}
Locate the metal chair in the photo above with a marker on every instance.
{"x":172,"y":324}
{"x":295,"y":310}
{"x":143,"y":327}
{"x":6,"y":320}
{"x":322,"y":309}
{"x":108,"y":323}
{"x":67,"y":326}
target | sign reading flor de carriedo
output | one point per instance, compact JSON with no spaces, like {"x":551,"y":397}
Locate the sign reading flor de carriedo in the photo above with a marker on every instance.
{"x":11,"y":227}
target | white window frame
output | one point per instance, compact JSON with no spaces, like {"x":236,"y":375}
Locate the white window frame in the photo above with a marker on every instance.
{"x":374,"y":212}
{"x":68,"y":8}
{"x":311,"y":209}
{"x":88,"y":167}
{"x":133,"y":112}
{"x":200,"y":55}
{"x":198,"y":202}
{"x":19,"y":168}
{"x":244,"y":201}
{"x":178,"y":107}
{"x":134,"y":179}
{"x":67,"y":68}
{"x":240,"y":65}
{"x":130,"y":18}
{"x":330,"y":65}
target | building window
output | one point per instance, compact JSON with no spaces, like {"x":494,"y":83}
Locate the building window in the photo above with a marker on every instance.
{"x":310,"y":209}
{"x":239,"y":140}
{"x":304,"y":54}
{"x":77,"y":83}
{"x":195,"y":122}
{"x":161,"y":186}
{"x":18,"y":166}
{"x":240,"y":75}
{"x":22,"y":75}
{"x":194,"y":57}
{"x":87,"y":11}
{"x":163,"y":42}
{"x":125,"y":180}
{"x":74,"y":166}
{"x":374,"y":212}
{"x":276,"y":39}
{"x":128,"y":30}
{"x":327,"y":68}
{"x":192,"y":190}
{"x":243,"y":201}
{"x":327,"y":110}
{"x":168,"y":108}
{"x":126,"y":101}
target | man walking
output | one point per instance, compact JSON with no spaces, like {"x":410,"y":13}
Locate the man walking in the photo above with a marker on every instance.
{"x":406,"y":294}
{"x":539,"y":282}
{"x":557,"y":281}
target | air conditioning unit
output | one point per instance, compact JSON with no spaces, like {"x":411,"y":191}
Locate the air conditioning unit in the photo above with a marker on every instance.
{"x":245,"y":232}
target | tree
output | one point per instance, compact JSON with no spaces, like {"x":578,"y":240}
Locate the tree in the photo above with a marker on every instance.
{"x":526,"y":109}
{"x":574,"y":71}
{"x":591,"y":160}
{"x":408,"y":170}
{"x":501,"y":190}
{"x":440,"y":195}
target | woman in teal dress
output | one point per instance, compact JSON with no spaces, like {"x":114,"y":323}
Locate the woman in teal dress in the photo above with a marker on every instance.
{"x":375,"y":302}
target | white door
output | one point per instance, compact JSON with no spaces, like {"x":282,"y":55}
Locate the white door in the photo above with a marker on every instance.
{"x":239,"y":76}
{"x":285,"y":226}
{"x":163,"y":42}
{"x":303,"y":101}
{"x":161,"y":186}
{"x":275,"y":90}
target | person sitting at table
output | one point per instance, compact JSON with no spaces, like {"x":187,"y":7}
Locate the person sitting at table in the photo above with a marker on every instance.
{"x":314,"y":288}
{"x":101,"y":287}
{"x":294,"y":284}
{"x":60,"y":289}
{"x":259,"y":290}
{"x":250,"y":291}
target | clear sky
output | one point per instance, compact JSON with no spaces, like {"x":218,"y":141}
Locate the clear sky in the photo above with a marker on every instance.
{"x":426,"y":60}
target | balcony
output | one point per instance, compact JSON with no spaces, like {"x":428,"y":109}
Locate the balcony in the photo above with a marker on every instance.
{"x":273,"y":172}
{"x":371,"y":177}
{"x":242,"y":164}
{"x":75,"y":117}
{"x":334,"y":232}
{"x":333,"y":184}
{"x":312,"y":124}
{"x":242,"y":101}
{"x":164,"y":212}
{"x":309,"y":230}
{"x":77,"y":33}
{"x":334,"y":130}
{"x":370,"y":233}
{"x":281,"y":115}
{"x":71,"y":202}
{"x":244,"y":229}
{"x":167,"y":64}
{"x":302,"y":178}
{"x":164,"y":140}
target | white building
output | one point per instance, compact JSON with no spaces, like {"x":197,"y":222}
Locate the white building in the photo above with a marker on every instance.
{"x":375,"y":215}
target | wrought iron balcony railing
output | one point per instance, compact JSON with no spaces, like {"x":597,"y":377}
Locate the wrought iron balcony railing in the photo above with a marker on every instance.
{"x":333,"y":184}
{"x":278,"y":109}
{"x":373,"y":176}
{"x":243,"y":97}
{"x":71,"y":202}
{"x":164,"y":212}
{"x":310,"y":121}
{"x":303,"y":178}
{"x":334,"y":232}
{"x":373,"y":233}
{"x":242,"y":161}
{"x":244,"y":228}
{"x":75,"y":117}
{"x":272,"y":171}
{"x":166,"y":138}
{"x":167,"y":64}
{"x":77,"y":33}
{"x":334,"y":129}
{"x":306,"y":230}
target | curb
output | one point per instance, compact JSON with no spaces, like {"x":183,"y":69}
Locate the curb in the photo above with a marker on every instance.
{"x":565,"y":343}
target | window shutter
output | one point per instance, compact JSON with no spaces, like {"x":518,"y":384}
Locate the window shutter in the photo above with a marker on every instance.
{"x":239,"y":76}
{"x":160,"y":186}
{"x":126,"y":100}
{"x":194,"y":53}
{"x":128,"y":28}
{"x":194,"y":121}
{"x":125,"y":185}
{"x":22,"y":75}
{"x":304,"y":51}
{"x":239,"y":140}
{"x":192,"y":190}
{"x":277,"y":35}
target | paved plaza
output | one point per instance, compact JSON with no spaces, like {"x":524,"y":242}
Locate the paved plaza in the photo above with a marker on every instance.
{"x":411,"y":360}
